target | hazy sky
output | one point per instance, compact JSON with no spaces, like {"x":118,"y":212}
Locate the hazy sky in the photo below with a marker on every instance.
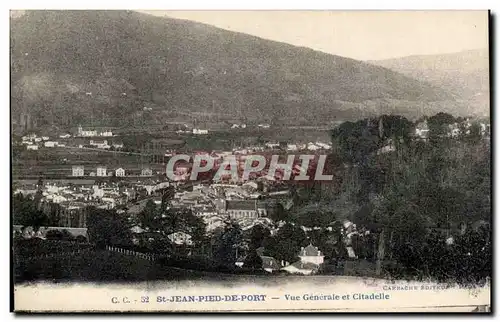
{"x":361,"y":35}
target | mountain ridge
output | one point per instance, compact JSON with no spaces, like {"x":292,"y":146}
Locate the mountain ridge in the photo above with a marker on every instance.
{"x":464,"y":74}
{"x":128,"y":60}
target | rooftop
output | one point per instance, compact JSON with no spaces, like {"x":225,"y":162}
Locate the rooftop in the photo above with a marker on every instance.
{"x":310,"y":250}
{"x":241,"y":205}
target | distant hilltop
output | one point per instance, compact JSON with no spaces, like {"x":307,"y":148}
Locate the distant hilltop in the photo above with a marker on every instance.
{"x":123,"y":67}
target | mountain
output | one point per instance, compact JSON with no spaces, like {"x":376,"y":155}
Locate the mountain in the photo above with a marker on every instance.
{"x":117,"y":67}
{"x":464,"y":74}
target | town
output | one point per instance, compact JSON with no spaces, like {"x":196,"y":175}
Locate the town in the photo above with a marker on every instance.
{"x":259,"y":206}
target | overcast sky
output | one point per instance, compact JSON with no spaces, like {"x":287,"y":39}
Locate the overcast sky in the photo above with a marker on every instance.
{"x":363,"y":35}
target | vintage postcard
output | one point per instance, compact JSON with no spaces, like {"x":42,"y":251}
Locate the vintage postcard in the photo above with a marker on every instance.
{"x":250,"y":161}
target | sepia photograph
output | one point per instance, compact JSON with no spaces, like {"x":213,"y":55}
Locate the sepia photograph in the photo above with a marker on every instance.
{"x":250,"y":161}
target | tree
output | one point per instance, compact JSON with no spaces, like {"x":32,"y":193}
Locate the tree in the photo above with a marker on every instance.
{"x":438,"y":124}
{"x":279,"y":213}
{"x":148,"y":216}
{"x":474,"y":133}
{"x":113,"y":178}
{"x":166,"y":198}
{"x":54,"y":216}
{"x":472,"y":253}
{"x":81,"y":239}
{"x":287,"y":243}
{"x":322,"y":239}
{"x":356,"y":141}
{"x":66,"y":235}
{"x":227,"y":245}
{"x":39,"y":184}
{"x":160,"y":223}
{"x":315,"y":217}
{"x":253,"y":261}
{"x":54,"y":235}
{"x":257,"y":236}
{"x":27,"y":213}
{"x":193,"y":225}
{"x":395,"y":126}
{"x":106,"y":227}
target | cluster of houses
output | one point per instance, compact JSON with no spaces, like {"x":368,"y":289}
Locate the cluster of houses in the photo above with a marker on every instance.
{"x":195,"y":130}
{"x":233,"y":126}
{"x":92,"y":133}
{"x":102,"y":171}
{"x":34,"y":142}
{"x":72,"y":200}
{"x":200,"y":131}
{"x":104,"y":144}
{"x":74,"y":196}
{"x":453,"y":130}
{"x":244,"y":126}
{"x":217,"y":203}
{"x":239,"y":126}
{"x":311,"y":146}
{"x":310,"y":261}
{"x":273,"y":146}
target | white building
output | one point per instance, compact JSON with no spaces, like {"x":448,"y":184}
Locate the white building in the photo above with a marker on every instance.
{"x":97,"y":192}
{"x":117,"y":145}
{"x":324,"y":145}
{"x":50,"y":144}
{"x":310,"y":260}
{"x":32,"y":147}
{"x":120,"y":172}
{"x":100,"y":144}
{"x":386,"y":149}
{"x":485,"y":129}
{"x":86,"y":133}
{"x":45,"y":138}
{"x":313,"y":147}
{"x":422,"y":130}
{"x":311,"y":254}
{"x":29,"y":137}
{"x":77,"y":171}
{"x":106,"y":133}
{"x":59,"y":199}
{"x":101,"y":172}
{"x":146,"y":172}
{"x":200,"y":131}
{"x":272,"y":145}
{"x":180,"y":238}
{"x":213,"y":222}
{"x":292,"y":147}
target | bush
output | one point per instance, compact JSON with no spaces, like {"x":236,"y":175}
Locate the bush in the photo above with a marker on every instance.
{"x":81,"y":239}
{"x":59,"y":235}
